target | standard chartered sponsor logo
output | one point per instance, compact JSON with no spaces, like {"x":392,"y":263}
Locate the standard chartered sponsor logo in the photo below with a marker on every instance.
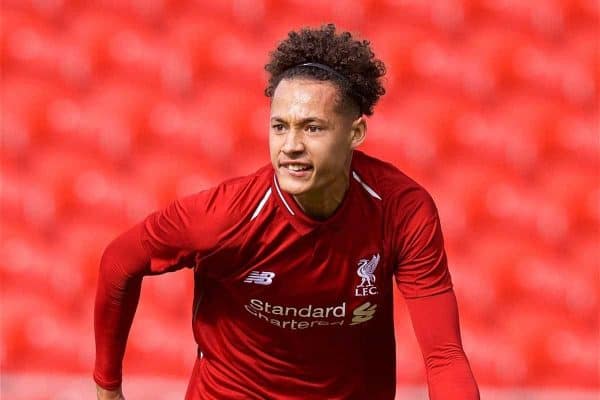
{"x":287,"y":317}
{"x":309,"y":316}
{"x":363,"y":313}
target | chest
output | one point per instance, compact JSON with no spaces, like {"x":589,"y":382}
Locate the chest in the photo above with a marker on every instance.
{"x":333,"y":274}
{"x":327,"y":276}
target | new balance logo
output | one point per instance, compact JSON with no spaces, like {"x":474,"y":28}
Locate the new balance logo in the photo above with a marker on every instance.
{"x":260,"y":278}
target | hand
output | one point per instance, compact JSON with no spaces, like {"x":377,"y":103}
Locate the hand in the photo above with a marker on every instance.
{"x":104,"y":394}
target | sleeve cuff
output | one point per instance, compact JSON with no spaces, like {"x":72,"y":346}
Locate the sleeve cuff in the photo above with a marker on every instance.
{"x":107,"y":384}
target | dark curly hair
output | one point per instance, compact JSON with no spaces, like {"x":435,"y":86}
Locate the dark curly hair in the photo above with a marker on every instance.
{"x":351,"y":58}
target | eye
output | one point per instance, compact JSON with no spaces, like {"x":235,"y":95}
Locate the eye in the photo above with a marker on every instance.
{"x":278,"y":127}
{"x":314,"y":128}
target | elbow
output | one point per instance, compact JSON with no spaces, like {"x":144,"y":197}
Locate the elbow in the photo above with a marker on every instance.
{"x":443,"y":356}
{"x":124,"y":258}
{"x":111,"y":275}
{"x":110,"y":262}
{"x":119,"y":265}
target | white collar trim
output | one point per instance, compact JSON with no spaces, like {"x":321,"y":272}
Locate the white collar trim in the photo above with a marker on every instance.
{"x":365,"y":186}
{"x":285,"y":203}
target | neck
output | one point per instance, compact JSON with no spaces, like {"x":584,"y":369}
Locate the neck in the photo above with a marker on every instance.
{"x":323,"y":204}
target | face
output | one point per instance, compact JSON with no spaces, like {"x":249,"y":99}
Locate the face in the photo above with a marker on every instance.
{"x":311,"y":139}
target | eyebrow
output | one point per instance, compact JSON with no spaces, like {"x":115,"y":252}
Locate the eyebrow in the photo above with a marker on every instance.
{"x":301,"y":122}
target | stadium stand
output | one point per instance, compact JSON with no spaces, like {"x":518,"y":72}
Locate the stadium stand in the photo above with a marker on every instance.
{"x":111,"y":109}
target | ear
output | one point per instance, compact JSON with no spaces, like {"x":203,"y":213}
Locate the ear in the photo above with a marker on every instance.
{"x":359,"y":132}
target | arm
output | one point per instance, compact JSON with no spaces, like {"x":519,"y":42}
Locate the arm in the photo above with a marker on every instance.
{"x":165,"y":241}
{"x":122,"y":267}
{"x":436,"y":326}
{"x":424,"y":280}
{"x":159,"y":244}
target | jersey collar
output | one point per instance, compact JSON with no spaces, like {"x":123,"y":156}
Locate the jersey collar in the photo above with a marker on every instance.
{"x":301,"y":221}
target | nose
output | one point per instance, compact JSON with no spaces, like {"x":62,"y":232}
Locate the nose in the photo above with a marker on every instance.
{"x":293,"y":142}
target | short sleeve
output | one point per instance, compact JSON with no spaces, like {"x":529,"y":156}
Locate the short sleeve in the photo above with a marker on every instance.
{"x":421,"y":267}
{"x":187,"y":229}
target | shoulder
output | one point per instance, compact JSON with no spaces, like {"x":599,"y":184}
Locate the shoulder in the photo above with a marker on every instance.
{"x":228,"y":204}
{"x":397,"y":190}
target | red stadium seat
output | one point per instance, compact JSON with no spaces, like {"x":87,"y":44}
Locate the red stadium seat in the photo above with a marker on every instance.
{"x":414,"y":130}
{"x":110,"y":196}
{"x":39,"y":48}
{"x":166,"y":294}
{"x":474,"y":281}
{"x":84,"y":238}
{"x":16,"y":135}
{"x":25,"y":100}
{"x":149,"y":11}
{"x":496,"y":358}
{"x":48,"y":272}
{"x":551,"y":282}
{"x":11,"y":194}
{"x":555,"y":72}
{"x":108,"y":122}
{"x":92,"y":26}
{"x":547,"y":17}
{"x":193,"y":34}
{"x":153,"y":338}
{"x":565,"y":346}
{"x":249,"y":14}
{"x":465,"y":182}
{"x":514,"y":133}
{"x":54,"y":169}
{"x":395,"y":44}
{"x":53,"y":341}
{"x":111,"y":110}
{"x":575,"y":137}
{"x":447,"y":15}
{"x":350,"y":15}
{"x":29,"y":200}
{"x":164,"y":177}
{"x":527,"y":210}
{"x":203,"y":127}
{"x":136,"y":52}
{"x":574,"y":188}
{"x":46,"y":9}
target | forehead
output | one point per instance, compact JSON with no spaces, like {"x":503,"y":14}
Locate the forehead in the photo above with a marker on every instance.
{"x":304,"y":97}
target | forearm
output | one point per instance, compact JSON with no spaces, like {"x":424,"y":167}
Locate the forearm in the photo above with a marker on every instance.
{"x":449,"y":375}
{"x":113,"y":317}
{"x":122,"y":267}
{"x":436,"y":325}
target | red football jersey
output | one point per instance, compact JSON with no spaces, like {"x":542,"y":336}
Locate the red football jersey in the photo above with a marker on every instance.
{"x":286,"y":306}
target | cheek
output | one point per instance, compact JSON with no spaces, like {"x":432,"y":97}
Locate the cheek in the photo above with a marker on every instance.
{"x":331,"y":156}
{"x":274,"y":145}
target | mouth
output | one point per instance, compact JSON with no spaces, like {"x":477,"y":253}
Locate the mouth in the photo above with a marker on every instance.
{"x":296,"y":169}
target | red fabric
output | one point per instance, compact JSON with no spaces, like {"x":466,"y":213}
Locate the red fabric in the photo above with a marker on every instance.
{"x":254,"y":339}
{"x":436,"y":325}
{"x":421,"y":263}
{"x":122,"y":267}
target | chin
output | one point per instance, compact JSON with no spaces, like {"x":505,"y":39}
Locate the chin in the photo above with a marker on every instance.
{"x":293,"y":186}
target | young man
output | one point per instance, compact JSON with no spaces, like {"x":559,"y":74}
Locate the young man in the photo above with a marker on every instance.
{"x":295,"y":264}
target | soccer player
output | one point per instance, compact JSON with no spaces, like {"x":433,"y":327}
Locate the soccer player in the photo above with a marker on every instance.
{"x":295,"y":264}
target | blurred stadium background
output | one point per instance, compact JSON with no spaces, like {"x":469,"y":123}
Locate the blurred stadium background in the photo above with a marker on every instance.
{"x":110,"y":109}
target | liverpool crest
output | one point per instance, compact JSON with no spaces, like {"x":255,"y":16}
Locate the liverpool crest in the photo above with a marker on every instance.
{"x":366,"y":271}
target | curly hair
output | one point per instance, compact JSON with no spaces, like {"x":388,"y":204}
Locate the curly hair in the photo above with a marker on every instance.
{"x":352,"y":59}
